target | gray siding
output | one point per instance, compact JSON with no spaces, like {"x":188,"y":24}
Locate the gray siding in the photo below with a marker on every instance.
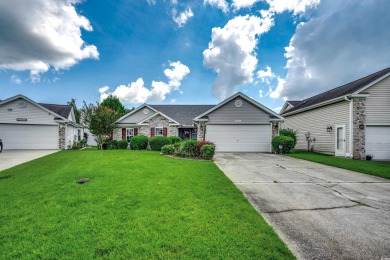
{"x":137,"y":117}
{"x":315,"y":121}
{"x":246,"y":114}
{"x":10,"y":111}
{"x":378,"y":103}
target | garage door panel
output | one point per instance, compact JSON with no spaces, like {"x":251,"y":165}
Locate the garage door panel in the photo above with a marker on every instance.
{"x":240,"y":138}
{"x":378,"y":142}
{"x":29,"y":136}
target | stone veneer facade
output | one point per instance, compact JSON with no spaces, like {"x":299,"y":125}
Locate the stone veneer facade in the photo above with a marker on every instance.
{"x":275,"y":129}
{"x":201,"y":133}
{"x":359,"y":128}
{"x":61,"y":137}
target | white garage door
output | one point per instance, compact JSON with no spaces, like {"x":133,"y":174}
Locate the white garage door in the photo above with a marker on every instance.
{"x":378,"y":142}
{"x":240,"y":138}
{"x":29,"y":136}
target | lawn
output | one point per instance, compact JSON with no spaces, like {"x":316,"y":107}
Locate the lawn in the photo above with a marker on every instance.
{"x":380,"y":169}
{"x":137,"y":205}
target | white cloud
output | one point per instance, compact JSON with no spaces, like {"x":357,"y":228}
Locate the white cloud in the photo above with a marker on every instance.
{"x":15,"y":79}
{"x":173,"y":100}
{"x":261,"y":93}
{"x":136,"y":92}
{"x":221,"y":4}
{"x":238,"y":4}
{"x":103,"y":89}
{"x":35,"y":76}
{"x":343,"y":41}
{"x":38,"y":34}
{"x":231,"y":52}
{"x":266,"y":75}
{"x":181,"y":18}
{"x":296,"y":6}
{"x":151,"y":2}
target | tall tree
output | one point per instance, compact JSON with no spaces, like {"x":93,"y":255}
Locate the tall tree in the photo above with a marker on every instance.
{"x":114,"y":103}
{"x":76,"y":111}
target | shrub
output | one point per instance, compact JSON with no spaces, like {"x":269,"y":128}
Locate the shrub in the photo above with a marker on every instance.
{"x":207,"y":151}
{"x":112,"y":145}
{"x":286,"y":141}
{"x":122,"y":144}
{"x":157,"y":142}
{"x":201,"y":143}
{"x":289,"y":132}
{"x":175,"y":139}
{"x":168,"y":149}
{"x":139,"y":142}
{"x":189,"y":148}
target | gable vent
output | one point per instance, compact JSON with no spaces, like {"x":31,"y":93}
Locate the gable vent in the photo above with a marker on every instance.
{"x":21,"y":104}
{"x":238,"y":103}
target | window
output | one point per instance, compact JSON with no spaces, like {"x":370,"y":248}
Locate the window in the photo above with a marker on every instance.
{"x":79,"y":135}
{"x":129,"y":134}
{"x":159,"y":131}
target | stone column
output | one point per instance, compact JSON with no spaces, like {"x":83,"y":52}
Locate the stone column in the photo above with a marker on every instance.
{"x":359,"y":128}
{"x":275,"y":129}
{"x":61,"y":137}
{"x":201,"y":131}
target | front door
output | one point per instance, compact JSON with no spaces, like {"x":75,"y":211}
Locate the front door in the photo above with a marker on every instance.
{"x":340,"y":140}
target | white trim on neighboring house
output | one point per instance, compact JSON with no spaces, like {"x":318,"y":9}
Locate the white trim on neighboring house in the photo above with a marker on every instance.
{"x":143,"y":122}
{"x":35,"y":104}
{"x":316,"y":105}
{"x":371,"y":83}
{"x":350,"y":127}
{"x":270,"y":149}
{"x":248,"y":99}
{"x":135,"y":110}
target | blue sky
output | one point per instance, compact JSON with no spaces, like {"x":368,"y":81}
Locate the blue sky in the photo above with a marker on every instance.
{"x":188,"y":52}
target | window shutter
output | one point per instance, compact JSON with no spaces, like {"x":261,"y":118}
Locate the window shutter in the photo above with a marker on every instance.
{"x":165,"y":131}
{"x":135,"y":131}
{"x":123,"y":133}
{"x":152,"y":132}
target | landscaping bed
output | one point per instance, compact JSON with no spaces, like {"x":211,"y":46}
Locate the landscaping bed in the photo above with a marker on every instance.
{"x":135,"y":205}
{"x":380,"y":169}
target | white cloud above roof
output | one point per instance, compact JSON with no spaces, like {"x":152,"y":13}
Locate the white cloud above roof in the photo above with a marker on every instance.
{"x":50,"y":37}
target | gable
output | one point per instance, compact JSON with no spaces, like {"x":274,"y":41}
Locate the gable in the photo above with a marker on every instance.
{"x":136,"y":116}
{"x":378,"y":103}
{"x":229,"y":113}
{"x":23,"y":110}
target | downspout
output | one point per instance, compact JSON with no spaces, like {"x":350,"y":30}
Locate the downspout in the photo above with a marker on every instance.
{"x":350,"y":126}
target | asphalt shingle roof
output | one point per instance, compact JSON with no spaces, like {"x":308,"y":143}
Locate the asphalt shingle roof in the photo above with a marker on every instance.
{"x":62,"y":110}
{"x":183,"y":114}
{"x":340,"y":91}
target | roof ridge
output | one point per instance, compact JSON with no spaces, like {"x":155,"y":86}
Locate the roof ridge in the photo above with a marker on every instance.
{"x":54,"y":104}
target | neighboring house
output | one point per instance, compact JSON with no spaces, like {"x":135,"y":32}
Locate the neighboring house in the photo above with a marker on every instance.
{"x":237,"y":124}
{"x":352,"y":120}
{"x":25,"y":124}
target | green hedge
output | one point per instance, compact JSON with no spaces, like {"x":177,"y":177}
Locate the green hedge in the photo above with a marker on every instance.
{"x":157,"y":142}
{"x":175,"y":139}
{"x":122,"y":144}
{"x":168,"y":149}
{"x":207,"y":151}
{"x":290,"y":133}
{"x":139,"y":142}
{"x":286,"y":141}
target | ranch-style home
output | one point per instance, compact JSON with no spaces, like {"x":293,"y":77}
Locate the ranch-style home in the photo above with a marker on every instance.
{"x":25,"y":124}
{"x":352,"y":120}
{"x":238,"y":124}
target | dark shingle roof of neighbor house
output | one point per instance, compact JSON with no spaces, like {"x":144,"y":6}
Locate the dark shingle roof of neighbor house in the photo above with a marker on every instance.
{"x":62,"y":110}
{"x":343,"y":90}
{"x":183,"y":114}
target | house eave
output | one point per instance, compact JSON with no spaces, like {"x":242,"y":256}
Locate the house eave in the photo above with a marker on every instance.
{"x":328,"y":102}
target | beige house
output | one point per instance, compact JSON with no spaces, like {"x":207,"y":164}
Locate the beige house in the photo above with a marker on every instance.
{"x":238,"y":124}
{"x":352,"y":120}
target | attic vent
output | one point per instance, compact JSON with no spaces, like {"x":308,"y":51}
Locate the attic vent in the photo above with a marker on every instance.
{"x":238,"y":103}
{"x":146,"y":111}
{"x":21,"y":104}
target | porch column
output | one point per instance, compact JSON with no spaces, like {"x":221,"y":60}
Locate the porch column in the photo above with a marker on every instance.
{"x":359,"y":128}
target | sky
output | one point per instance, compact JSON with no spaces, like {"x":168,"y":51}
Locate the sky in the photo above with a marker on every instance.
{"x":188,"y":52}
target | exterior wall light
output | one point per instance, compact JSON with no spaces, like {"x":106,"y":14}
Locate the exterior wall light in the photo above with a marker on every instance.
{"x":329,"y":128}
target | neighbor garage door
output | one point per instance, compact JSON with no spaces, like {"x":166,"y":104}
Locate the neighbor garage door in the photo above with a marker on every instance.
{"x":240,"y":138}
{"x":29,"y":136}
{"x":378,"y":142}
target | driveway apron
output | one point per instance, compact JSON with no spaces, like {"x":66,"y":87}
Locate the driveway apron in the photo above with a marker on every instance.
{"x":11,"y":158}
{"x":321,"y":212}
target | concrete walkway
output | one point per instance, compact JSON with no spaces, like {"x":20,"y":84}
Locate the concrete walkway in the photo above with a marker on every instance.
{"x":11,"y":158}
{"x":321,"y":212}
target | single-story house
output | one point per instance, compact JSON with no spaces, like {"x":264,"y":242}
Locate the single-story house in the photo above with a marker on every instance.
{"x":238,"y":124}
{"x":352,"y":120}
{"x":25,"y":124}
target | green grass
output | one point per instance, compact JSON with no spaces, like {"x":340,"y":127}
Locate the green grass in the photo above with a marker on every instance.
{"x":137,"y":205}
{"x":380,"y":169}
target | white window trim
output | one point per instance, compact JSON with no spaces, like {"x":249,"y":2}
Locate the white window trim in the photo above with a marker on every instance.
{"x":162,"y":131}
{"x":128,"y":136}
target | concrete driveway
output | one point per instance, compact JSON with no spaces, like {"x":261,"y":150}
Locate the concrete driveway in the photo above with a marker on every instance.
{"x":11,"y":158}
{"x":321,"y":212}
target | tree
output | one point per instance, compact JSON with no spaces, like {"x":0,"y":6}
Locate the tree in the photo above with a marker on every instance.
{"x":100,"y":121}
{"x":77,"y":112}
{"x":114,"y":103}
